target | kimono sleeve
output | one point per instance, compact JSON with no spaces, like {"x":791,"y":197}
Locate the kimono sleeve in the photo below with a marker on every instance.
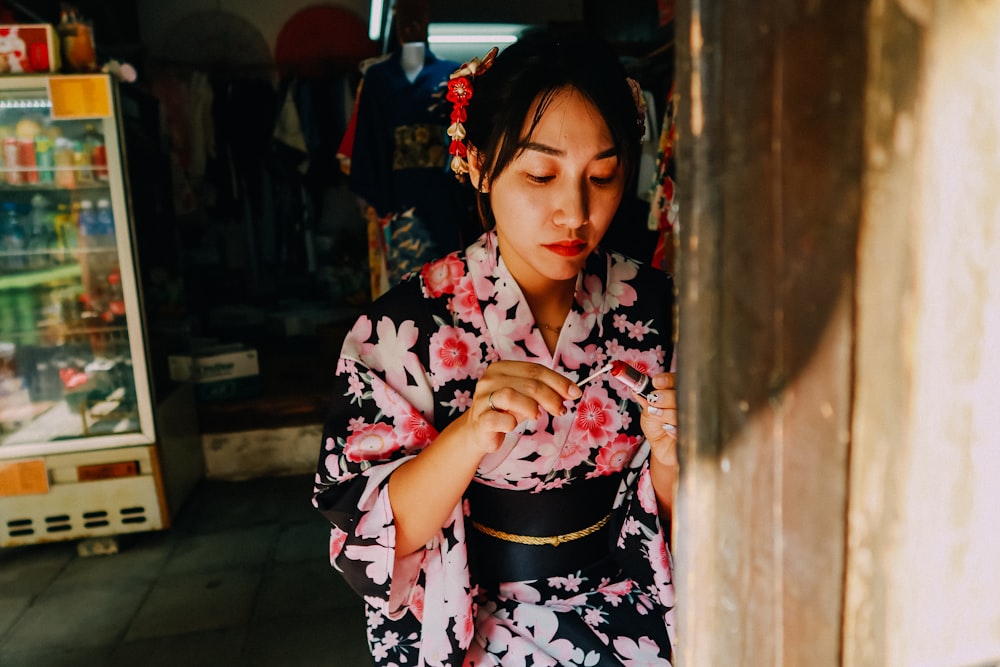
{"x":641,"y":545}
{"x":359,"y":451}
{"x":380,"y":417}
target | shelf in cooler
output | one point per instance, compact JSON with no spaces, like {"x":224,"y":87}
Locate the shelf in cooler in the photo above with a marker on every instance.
{"x":30,"y":279}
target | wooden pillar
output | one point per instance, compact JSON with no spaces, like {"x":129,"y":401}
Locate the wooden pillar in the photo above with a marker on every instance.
{"x":923,"y":586}
{"x":811,"y":135}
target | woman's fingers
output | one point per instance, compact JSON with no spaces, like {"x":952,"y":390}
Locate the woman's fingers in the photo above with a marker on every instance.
{"x":522,"y":388}
{"x":659,"y":418}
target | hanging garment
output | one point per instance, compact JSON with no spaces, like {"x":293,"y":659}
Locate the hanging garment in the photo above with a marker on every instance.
{"x":663,"y":211}
{"x":399,"y":156}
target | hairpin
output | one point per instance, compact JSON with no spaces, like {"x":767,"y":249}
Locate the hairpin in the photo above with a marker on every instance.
{"x":459,"y":93}
{"x":640,"y":104}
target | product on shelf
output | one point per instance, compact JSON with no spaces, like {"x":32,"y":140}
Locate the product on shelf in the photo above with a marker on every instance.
{"x":26,"y":160}
{"x":67,"y":231}
{"x":13,"y":239}
{"x":42,"y":243}
{"x":82,"y":164}
{"x":64,"y":163}
{"x":11,"y":161}
{"x":45,"y":157}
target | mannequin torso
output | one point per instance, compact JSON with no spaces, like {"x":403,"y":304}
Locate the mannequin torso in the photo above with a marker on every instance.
{"x":412,"y":59}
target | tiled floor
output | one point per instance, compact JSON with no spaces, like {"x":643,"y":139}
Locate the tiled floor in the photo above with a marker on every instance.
{"x":241,"y":579}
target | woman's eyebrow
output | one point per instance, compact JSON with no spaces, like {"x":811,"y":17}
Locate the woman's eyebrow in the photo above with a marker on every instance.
{"x":550,"y":150}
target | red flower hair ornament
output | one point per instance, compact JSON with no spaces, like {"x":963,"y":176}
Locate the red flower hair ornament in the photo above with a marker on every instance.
{"x":459,"y":93}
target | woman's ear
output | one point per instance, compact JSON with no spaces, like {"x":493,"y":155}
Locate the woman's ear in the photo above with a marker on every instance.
{"x":476,"y":175}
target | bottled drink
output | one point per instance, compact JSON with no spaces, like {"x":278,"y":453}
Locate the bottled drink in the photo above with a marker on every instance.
{"x":98,"y":240}
{"x":42,"y":233}
{"x":82,"y":164}
{"x":26,"y":159}
{"x":45,"y":156}
{"x":105,"y":217}
{"x":99,"y":158}
{"x":64,"y":163}
{"x":24,"y":316}
{"x":91,"y":137}
{"x":93,"y":144}
{"x":67,"y":232}
{"x":11,"y":164}
{"x":12,"y":238}
{"x":87,"y":221}
{"x":116,"y":298}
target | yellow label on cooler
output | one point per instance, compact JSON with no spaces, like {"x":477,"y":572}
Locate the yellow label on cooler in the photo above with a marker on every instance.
{"x":80,"y":97}
{"x":23,"y":478}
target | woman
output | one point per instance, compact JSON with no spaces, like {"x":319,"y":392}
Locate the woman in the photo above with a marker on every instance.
{"x":488,"y":508}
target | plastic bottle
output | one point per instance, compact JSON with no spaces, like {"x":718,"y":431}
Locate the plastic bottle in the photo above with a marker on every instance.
{"x":99,"y":158}
{"x":12,"y":239}
{"x":64,"y":163}
{"x":87,"y":221}
{"x":105,"y":217}
{"x":82,"y":165}
{"x":45,"y":156}
{"x":67,"y":232}
{"x":11,"y":164}
{"x":116,"y":297}
{"x":74,"y":214}
{"x":98,"y":240}
{"x":42,"y":234}
{"x":27,"y":160}
{"x":93,"y":144}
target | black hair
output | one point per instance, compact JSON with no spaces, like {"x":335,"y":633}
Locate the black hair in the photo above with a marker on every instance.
{"x":536,"y":67}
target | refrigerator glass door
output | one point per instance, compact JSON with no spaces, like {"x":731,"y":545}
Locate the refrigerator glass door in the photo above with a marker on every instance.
{"x":72,"y":365}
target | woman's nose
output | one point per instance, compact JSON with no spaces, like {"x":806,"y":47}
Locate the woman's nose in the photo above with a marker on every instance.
{"x":572,"y":207}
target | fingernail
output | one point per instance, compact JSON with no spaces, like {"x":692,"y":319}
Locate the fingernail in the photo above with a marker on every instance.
{"x":653,"y":397}
{"x":670,"y":428}
{"x":653,"y":410}
{"x":575,"y":392}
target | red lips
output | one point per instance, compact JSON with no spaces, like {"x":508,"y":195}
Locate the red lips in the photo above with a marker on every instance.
{"x":567,"y":248}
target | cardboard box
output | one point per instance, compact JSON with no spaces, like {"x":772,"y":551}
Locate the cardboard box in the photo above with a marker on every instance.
{"x":28,"y":48}
{"x":230,"y":372}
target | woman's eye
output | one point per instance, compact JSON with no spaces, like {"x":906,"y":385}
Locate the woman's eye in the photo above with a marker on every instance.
{"x":602,"y":180}
{"x":539,"y":179}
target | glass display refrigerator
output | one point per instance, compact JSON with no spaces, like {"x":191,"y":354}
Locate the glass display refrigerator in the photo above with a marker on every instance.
{"x":79,"y":450}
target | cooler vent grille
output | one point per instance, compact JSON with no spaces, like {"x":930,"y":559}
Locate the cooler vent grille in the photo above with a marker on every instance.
{"x":87,"y":521}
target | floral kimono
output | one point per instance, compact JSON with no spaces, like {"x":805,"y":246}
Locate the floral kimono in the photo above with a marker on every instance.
{"x":407,"y":369}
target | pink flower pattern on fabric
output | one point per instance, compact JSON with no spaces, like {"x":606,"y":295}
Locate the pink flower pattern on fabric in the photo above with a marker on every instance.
{"x":371,"y":443}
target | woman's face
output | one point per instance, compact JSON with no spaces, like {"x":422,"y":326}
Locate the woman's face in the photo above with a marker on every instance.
{"x":556,"y":199}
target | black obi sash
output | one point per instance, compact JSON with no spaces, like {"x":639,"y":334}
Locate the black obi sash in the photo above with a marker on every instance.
{"x":503,"y":526}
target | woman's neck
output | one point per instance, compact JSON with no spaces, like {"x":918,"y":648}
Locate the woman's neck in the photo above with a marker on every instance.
{"x":551,"y":306}
{"x":412,"y":59}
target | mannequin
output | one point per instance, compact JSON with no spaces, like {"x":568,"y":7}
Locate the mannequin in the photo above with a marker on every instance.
{"x":412,"y":19}
{"x":412,"y":59}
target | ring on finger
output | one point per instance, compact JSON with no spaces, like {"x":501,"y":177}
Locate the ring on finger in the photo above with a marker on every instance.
{"x":489,"y":400}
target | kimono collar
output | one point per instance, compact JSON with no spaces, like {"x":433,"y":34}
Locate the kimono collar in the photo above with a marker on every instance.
{"x":496,"y":287}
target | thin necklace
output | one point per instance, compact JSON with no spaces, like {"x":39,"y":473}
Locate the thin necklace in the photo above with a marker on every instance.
{"x":549,"y":327}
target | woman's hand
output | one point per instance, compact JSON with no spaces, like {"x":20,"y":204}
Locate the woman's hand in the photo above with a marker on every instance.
{"x":659,"y":418}
{"x":510,"y":392}
{"x":659,"y":424}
